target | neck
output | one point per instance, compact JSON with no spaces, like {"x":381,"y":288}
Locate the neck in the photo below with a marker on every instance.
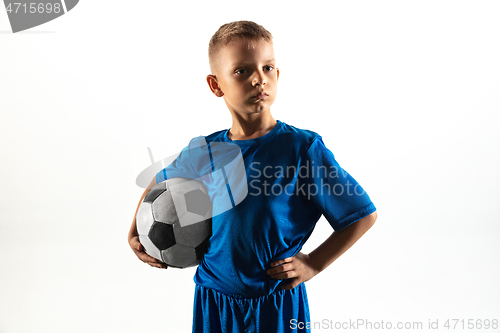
{"x":252,"y":126}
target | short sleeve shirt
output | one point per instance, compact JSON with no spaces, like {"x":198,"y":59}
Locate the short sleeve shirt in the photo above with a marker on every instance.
{"x":291,"y":179}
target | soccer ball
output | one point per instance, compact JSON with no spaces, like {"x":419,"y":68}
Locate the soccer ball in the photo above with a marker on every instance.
{"x":174,"y":222}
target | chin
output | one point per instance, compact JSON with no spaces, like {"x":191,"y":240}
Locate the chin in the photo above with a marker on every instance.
{"x":261,"y":109}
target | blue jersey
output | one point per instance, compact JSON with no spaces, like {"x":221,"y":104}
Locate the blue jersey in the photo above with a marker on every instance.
{"x":292,"y":179}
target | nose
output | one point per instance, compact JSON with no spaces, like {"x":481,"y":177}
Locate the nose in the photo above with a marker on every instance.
{"x":259,"y":79}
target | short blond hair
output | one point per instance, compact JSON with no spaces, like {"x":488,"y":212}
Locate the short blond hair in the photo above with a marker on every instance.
{"x":246,"y":30}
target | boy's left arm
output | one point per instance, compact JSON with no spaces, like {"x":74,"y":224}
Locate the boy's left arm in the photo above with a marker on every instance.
{"x":303,"y":267}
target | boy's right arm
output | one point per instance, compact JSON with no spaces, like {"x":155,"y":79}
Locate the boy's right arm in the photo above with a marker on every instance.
{"x":133,"y":237}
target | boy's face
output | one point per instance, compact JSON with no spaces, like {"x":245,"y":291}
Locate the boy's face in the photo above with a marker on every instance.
{"x":246,"y":76}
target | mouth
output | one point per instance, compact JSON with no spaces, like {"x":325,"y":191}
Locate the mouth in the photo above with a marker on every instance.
{"x":260,"y":95}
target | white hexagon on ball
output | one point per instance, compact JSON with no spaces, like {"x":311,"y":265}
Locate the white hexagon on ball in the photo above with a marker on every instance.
{"x":192,"y":203}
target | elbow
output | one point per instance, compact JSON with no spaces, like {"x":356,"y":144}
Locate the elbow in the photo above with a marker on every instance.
{"x":373,"y":217}
{"x":369,"y":220}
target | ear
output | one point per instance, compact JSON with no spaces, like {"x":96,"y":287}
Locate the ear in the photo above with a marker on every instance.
{"x":277,"y":73}
{"x":214,"y":85}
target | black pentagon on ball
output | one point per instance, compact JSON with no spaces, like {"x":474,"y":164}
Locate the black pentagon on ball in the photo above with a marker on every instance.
{"x":197,"y":202}
{"x":155,"y":192}
{"x":162,"y":235}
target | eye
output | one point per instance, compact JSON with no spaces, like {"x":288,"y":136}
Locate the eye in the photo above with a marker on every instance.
{"x":241,"y":71}
{"x":269,"y":68}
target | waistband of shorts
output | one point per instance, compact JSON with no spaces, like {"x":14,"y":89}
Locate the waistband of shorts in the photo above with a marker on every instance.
{"x":279,"y":292}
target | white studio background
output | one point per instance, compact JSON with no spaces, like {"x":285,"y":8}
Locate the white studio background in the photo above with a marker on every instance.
{"x":405,"y":94}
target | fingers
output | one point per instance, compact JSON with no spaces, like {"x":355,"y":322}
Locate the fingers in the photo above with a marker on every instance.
{"x":135,"y":243}
{"x":296,"y":270}
{"x":158,"y":265}
{"x":146,"y":257}
{"x":282,"y":271}
{"x":285,"y":275}
{"x":281,"y":262}
{"x":143,"y":256}
{"x":287,"y":268}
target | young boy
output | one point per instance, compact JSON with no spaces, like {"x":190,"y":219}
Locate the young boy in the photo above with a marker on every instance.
{"x":251,"y":277}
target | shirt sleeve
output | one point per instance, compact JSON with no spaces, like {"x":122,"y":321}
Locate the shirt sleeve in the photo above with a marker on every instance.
{"x":190,"y":163}
{"x":333,"y":190}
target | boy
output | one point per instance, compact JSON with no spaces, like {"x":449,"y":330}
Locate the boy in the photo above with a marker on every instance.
{"x":251,"y":277}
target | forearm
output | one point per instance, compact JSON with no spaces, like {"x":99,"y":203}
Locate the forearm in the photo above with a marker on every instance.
{"x":339,"y":242}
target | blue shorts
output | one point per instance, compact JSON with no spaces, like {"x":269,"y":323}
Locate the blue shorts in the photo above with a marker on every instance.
{"x":215,"y":312}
